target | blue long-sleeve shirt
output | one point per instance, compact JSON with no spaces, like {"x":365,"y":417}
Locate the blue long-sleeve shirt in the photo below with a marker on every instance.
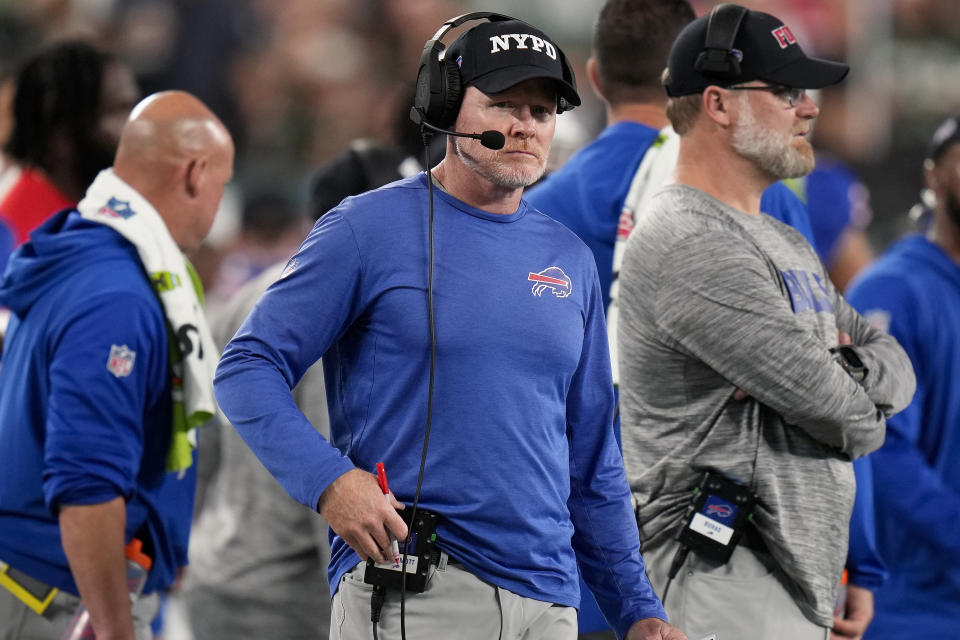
{"x":522,"y":458}
{"x":913,"y":292}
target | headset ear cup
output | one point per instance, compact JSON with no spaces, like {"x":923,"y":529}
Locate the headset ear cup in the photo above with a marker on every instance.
{"x":452,"y":94}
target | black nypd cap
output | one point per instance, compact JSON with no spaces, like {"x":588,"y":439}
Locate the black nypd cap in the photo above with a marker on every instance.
{"x":495,"y":56}
{"x":947,"y":134}
{"x":764,"y":49}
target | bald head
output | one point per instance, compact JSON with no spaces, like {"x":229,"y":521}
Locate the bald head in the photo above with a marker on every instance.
{"x":165,"y":128}
{"x":177,"y":154}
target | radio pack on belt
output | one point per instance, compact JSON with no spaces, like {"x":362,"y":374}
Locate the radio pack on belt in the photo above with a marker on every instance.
{"x":717,"y":517}
{"x":421,"y":553}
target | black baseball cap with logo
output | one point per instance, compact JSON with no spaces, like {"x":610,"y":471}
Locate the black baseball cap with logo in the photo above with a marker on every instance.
{"x":764,"y":48}
{"x":495,"y":56}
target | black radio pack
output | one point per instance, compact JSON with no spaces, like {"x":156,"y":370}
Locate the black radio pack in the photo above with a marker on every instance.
{"x":421,"y":552}
{"x":717,"y":517}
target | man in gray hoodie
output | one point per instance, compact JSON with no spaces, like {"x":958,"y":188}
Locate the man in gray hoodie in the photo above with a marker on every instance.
{"x":737,"y":355}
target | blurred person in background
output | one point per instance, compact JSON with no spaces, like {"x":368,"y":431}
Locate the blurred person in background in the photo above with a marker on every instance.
{"x":913,"y":293}
{"x":839,"y":207}
{"x":271,"y":229}
{"x":95,"y":399}
{"x":70,"y":102}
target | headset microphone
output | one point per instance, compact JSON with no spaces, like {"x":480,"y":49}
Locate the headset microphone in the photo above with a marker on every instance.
{"x":490,"y":139}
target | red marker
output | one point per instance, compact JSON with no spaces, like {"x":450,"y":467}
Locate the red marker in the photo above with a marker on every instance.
{"x":385,"y":488}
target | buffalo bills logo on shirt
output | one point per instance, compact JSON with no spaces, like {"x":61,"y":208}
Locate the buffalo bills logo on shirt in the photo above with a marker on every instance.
{"x":807,"y":291}
{"x":552,"y":278}
{"x":117,"y":209}
{"x":120,"y":360}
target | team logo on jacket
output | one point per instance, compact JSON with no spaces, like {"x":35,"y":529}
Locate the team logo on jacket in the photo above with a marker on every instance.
{"x":552,"y":278}
{"x":117,"y":209}
{"x":120,"y":362}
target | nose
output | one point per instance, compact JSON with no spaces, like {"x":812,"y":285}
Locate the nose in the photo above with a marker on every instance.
{"x":808,"y":107}
{"x":523,"y":123}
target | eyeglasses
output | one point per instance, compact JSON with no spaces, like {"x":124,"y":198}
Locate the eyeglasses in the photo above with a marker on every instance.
{"x":790,"y":95}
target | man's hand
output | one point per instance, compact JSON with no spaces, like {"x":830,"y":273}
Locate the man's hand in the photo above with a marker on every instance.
{"x":354,"y":507}
{"x":653,"y":629}
{"x":859,"y":613}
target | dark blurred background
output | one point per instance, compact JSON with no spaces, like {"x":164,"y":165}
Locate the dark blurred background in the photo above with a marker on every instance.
{"x":296,"y":80}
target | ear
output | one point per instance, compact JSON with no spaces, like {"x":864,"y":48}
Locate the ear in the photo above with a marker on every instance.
{"x":593,"y":74}
{"x":716,"y":103}
{"x":195,"y":175}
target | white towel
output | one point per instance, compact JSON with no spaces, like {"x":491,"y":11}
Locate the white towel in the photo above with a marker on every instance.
{"x":113,"y":202}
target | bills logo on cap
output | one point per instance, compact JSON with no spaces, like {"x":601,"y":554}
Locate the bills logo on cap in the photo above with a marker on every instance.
{"x":120,"y":361}
{"x":552,"y":278}
{"x":784,"y":36}
{"x":502,"y":43}
{"x":117,"y":209}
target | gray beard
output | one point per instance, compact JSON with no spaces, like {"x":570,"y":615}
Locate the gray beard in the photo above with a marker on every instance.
{"x":497,"y":173}
{"x":768,"y":150}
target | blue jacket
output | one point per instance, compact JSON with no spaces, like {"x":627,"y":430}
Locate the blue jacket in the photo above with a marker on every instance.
{"x":913,"y":291}
{"x":522,"y":462}
{"x":85,"y":410}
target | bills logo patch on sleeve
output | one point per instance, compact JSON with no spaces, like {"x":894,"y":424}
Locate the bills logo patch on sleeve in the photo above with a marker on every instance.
{"x":120,"y":361}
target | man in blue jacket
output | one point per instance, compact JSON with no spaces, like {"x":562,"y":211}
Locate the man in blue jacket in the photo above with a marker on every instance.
{"x":94,"y":400}
{"x":514,"y":391}
{"x":913,"y":292}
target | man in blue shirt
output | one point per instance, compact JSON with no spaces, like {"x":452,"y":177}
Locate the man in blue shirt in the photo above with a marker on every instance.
{"x":449,"y":306}
{"x":913,"y":292}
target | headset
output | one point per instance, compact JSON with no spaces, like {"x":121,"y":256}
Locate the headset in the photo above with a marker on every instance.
{"x":439,"y":87}
{"x":719,"y":59}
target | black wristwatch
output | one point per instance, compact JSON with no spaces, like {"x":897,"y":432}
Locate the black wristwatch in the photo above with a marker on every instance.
{"x":847,"y":358}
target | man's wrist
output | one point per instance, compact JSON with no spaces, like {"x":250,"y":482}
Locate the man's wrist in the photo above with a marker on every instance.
{"x":847,"y":357}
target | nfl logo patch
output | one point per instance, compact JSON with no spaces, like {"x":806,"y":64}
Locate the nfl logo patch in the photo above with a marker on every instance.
{"x":120,"y":362}
{"x":116,"y":208}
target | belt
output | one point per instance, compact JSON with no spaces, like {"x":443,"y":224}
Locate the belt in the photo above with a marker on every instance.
{"x":35,"y":594}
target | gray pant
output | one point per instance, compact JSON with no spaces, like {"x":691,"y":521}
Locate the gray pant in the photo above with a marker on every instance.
{"x":19,"y":622}
{"x":456,"y":604}
{"x":737,"y":601}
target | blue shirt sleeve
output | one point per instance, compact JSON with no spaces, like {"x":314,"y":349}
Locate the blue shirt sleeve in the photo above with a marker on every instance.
{"x":906,"y":486}
{"x":606,"y":538}
{"x":107,"y":366}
